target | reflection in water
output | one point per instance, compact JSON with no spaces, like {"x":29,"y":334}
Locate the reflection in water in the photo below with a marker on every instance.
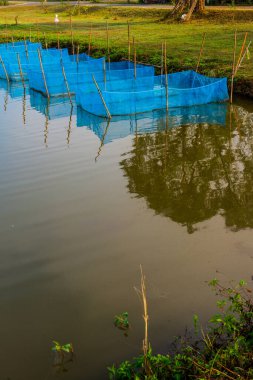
{"x":186,"y":164}
{"x":194,"y":172}
{"x":150,"y":122}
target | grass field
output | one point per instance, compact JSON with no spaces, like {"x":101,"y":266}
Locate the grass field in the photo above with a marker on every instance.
{"x":149,"y":27}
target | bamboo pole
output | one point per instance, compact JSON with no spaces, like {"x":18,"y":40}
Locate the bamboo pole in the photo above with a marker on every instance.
{"x":71,"y":33}
{"x":4,"y":68}
{"x":104,"y":70}
{"x":166,"y":75}
{"x":58,"y":40}
{"x":66,"y":83}
{"x":233,"y":68}
{"x":43,"y":74}
{"x":90,"y":39}
{"x":241,"y":52}
{"x":12,"y":40}
{"x":162,"y":56}
{"x":38,"y":40}
{"x":107,"y":41}
{"x":134,"y":57}
{"x":20,"y":68}
{"x":30,"y":35}
{"x":129,"y":43}
{"x":201,"y":51}
{"x":26,"y":49}
{"x":102,"y":98}
{"x":6,"y":37}
{"x":135,"y":73}
{"x":45,"y":41}
{"x":77,"y":54}
{"x":245,"y":51}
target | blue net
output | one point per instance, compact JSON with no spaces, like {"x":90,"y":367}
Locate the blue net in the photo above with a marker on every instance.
{"x":184,"y":89}
{"x":57,"y":83}
{"x":18,"y":63}
{"x":80,"y":76}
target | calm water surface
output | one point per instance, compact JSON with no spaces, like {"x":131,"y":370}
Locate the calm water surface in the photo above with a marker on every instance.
{"x":84,"y":203}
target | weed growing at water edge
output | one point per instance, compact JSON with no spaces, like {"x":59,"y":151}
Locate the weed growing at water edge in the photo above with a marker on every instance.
{"x":223,"y":351}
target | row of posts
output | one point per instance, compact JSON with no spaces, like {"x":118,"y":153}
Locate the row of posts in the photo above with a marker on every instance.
{"x":235,"y":67}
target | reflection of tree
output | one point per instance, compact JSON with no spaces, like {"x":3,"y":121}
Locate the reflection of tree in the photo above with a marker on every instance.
{"x":191,"y":173}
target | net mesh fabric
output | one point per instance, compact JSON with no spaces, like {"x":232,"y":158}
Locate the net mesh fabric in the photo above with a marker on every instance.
{"x":184,"y":89}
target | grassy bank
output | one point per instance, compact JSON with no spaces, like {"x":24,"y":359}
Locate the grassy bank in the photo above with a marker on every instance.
{"x":150,"y":27}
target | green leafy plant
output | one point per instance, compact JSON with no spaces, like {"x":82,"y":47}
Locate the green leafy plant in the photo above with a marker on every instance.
{"x":121,"y":321}
{"x":62,"y":348}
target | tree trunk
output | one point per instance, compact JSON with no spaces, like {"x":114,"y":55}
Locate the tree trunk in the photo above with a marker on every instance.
{"x":188,"y":7}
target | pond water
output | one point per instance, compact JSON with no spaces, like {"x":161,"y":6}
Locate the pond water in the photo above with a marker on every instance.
{"x":84,"y":203}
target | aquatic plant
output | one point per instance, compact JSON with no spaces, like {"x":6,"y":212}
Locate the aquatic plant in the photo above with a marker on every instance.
{"x":121,"y":321}
{"x":61,"y":350}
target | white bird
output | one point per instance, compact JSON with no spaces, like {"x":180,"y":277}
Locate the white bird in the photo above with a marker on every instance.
{"x":56,"y":19}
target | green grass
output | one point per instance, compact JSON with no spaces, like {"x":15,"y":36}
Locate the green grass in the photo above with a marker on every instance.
{"x":150,"y":27}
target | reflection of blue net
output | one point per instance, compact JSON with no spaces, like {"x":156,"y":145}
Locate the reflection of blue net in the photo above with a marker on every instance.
{"x":184,"y":89}
{"x":15,"y":90}
{"x":53,"y":108}
{"x":119,"y":127}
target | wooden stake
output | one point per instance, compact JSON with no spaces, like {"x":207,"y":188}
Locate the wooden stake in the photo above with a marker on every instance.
{"x":102,"y":98}
{"x":201,"y":50}
{"x":233,"y":69}
{"x":12,"y":40}
{"x":43,"y":74}
{"x":66,"y":82}
{"x":30,"y":35}
{"x":4,"y":68}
